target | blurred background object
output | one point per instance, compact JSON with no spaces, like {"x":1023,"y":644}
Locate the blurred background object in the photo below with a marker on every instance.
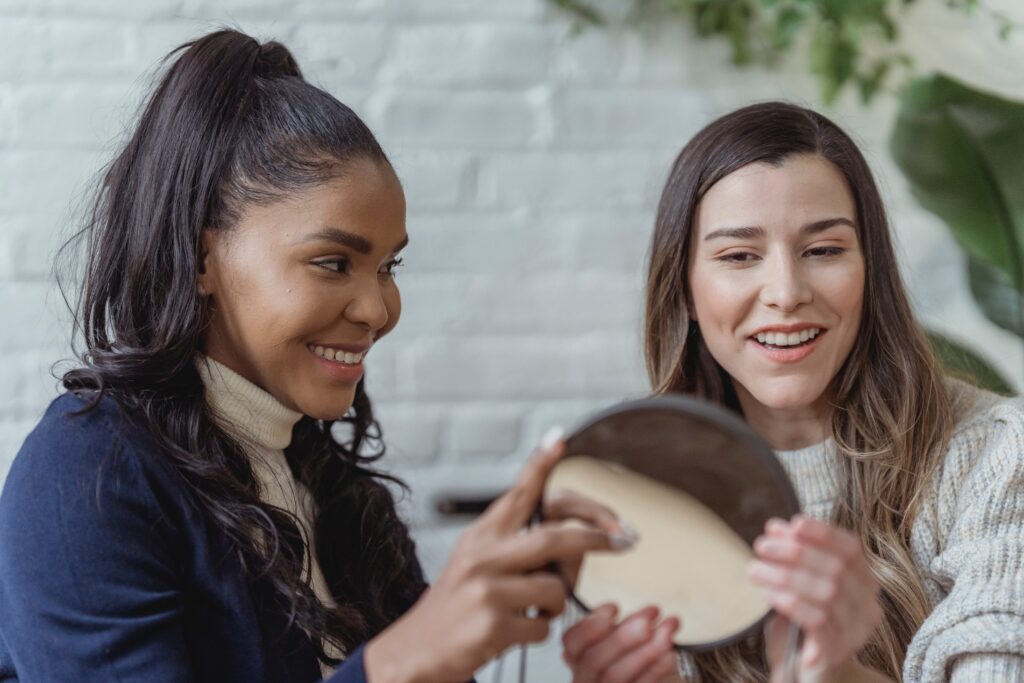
{"x":532,"y":154}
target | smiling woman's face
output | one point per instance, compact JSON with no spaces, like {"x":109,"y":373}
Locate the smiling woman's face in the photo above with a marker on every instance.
{"x":777,"y":279}
{"x":302,"y":288}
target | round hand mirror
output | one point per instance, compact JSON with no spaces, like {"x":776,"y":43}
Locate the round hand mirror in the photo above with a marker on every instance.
{"x":698,"y":485}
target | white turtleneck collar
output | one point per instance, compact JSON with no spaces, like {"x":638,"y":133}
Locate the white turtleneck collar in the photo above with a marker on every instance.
{"x":251,"y":413}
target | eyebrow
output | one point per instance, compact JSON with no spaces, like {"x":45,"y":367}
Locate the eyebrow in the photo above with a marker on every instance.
{"x":347,"y":239}
{"x":753,"y":231}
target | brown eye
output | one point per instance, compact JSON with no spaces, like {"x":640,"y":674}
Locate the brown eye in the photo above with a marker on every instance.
{"x":391,"y":266}
{"x":825,"y":251}
{"x":738,"y":257}
{"x":337,"y":265}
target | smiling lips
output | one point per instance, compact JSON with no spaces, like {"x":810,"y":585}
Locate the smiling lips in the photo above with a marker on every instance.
{"x":337,"y":355}
{"x":789,"y":343}
{"x":340,"y":363}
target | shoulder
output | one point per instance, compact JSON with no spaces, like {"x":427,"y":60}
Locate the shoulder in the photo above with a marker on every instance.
{"x":77,"y":433}
{"x":81,"y":459}
{"x":984,"y":458}
{"x":986,"y":425}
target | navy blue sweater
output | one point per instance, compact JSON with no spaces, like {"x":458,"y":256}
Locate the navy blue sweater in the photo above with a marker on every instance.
{"x":108,"y":572}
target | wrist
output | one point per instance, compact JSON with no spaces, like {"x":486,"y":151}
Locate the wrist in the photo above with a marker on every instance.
{"x":387,"y":658}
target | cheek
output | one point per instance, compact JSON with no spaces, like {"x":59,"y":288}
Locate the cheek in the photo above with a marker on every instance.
{"x":719,"y":302}
{"x":845,"y":295}
{"x":275,"y":306}
{"x":393,"y":303}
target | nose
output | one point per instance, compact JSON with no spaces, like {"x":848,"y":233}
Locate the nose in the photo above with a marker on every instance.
{"x":785,"y":286}
{"x":367,"y":306}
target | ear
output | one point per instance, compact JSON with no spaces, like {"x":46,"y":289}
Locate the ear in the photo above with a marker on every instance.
{"x":204,"y":274}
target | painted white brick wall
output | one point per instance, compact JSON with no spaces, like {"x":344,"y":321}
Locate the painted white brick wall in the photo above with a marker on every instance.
{"x":532,"y":160}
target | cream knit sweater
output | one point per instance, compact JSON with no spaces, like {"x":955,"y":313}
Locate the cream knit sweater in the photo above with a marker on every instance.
{"x":264,"y":427}
{"x":968,"y":541}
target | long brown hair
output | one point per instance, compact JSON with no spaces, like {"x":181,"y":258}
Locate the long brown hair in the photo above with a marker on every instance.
{"x":891,"y":418}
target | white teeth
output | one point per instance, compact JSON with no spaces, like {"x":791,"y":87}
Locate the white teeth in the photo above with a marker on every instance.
{"x":337,"y":356}
{"x":783,"y":339}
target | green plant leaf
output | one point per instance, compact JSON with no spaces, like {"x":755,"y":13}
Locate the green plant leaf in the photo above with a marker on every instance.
{"x":962,"y":151}
{"x":964,"y":364}
{"x":995,"y":294}
{"x":788,"y":22}
{"x":584,"y":13}
{"x":758,"y":31}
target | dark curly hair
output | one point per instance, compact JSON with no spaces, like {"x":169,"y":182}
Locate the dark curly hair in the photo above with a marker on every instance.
{"x":230,"y":124}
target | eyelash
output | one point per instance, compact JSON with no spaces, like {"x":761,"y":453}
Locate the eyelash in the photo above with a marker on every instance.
{"x":741,"y":256}
{"x":342,"y":263}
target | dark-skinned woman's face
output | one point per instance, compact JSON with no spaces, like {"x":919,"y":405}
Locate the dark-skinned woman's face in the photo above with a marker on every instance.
{"x":303,"y":287}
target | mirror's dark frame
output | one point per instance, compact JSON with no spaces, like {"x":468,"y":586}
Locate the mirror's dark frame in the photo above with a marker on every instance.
{"x":719,"y":418}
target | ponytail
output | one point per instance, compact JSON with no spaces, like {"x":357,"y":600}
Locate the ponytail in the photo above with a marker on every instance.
{"x":230,"y":124}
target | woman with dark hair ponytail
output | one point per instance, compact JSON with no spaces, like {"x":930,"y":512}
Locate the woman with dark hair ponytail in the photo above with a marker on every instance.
{"x":202,"y":504}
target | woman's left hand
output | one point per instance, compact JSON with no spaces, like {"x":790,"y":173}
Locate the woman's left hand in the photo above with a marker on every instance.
{"x":817,"y":576}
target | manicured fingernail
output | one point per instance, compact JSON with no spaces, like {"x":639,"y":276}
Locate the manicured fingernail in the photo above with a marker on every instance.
{"x":811,"y":653}
{"x":639,"y":628}
{"x":551,"y":437}
{"x":627,"y":528}
{"x":625,"y":538}
{"x":619,"y":542}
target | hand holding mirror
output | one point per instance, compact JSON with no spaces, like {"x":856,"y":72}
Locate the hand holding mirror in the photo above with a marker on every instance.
{"x":698,"y":485}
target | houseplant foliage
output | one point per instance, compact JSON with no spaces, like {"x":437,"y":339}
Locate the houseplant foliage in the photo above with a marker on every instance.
{"x":962,"y":150}
{"x":850,"y":43}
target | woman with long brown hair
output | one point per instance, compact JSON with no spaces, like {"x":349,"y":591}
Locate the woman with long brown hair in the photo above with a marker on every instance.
{"x":773,"y":289}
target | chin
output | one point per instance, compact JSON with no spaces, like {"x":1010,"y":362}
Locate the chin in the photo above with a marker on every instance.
{"x":332,"y":408}
{"x":786,"y":393}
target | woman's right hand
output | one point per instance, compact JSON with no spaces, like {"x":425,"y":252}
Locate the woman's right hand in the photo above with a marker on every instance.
{"x":495,"y":591}
{"x":637,"y":649}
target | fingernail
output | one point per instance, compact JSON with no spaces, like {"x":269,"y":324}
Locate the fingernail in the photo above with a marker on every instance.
{"x":640,"y":628}
{"x":811,"y":653}
{"x":626,"y":528}
{"x":620,"y":542}
{"x":551,"y":437}
{"x":624,"y":539}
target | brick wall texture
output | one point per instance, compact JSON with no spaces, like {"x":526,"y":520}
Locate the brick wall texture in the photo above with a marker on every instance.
{"x":532,"y":158}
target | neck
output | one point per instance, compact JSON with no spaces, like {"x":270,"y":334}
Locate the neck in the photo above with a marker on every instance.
{"x":786,"y":429}
{"x":243,"y":408}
